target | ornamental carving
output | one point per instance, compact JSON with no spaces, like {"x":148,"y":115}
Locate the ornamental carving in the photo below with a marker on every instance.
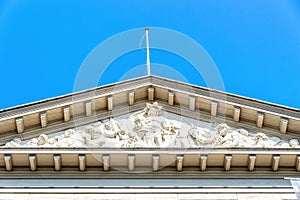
{"x":151,"y":128}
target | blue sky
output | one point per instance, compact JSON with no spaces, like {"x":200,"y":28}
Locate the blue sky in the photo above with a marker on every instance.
{"x":255,"y":44}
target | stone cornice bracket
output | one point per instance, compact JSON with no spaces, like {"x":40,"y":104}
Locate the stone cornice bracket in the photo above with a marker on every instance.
{"x":151,"y":94}
{"x":20,"y":124}
{"x":192,"y":103}
{"x":227,"y":162}
{"x":43,"y":119}
{"x":236,"y":114}
{"x":67,"y":113}
{"x":298,"y":163}
{"x":179,"y":163}
{"x":214,"y":108}
{"x":106,"y":162}
{"x":283,"y":125}
{"x":131,"y":162}
{"x":251,"y":162}
{"x":171,"y":98}
{"x":57,"y":162}
{"x":275,"y":162}
{"x":155,"y":162}
{"x":260,"y":119}
{"x":82,"y":162}
{"x":110,"y":103}
{"x":88,"y":108}
{"x":203,"y":161}
{"x":8,"y":162}
{"x":32,"y":162}
{"x":131,"y":98}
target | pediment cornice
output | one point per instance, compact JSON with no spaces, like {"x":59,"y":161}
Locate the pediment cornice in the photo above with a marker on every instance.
{"x":24,"y":120}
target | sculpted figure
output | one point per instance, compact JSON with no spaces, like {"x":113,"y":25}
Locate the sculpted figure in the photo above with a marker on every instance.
{"x":16,"y":142}
{"x":138,"y":123}
{"x":109,"y":129}
{"x":243,"y":132}
{"x":91,"y":134}
{"x":227,"y":137}
{"x":223,"y":129}
{"x":123,"y":135}
{"x":42,"y":139}
{"x":263,"y":141}
{"x":171,"y":126}
{"x":153,"y":109}
{"x":201,"y":135}
{"x":233,"y":138}
{"x":230,"y":139}
{"x":294,"y":143}
{"x":150,"y":128}
{"x":32,"y":142}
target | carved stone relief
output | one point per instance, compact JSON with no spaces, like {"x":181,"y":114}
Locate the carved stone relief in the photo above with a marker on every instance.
{"x":150,"y":128}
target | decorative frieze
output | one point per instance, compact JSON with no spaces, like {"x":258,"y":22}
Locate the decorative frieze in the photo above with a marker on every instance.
{"x":151,"y":128}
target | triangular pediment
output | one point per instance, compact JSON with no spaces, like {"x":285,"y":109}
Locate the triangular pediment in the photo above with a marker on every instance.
{"x":150,"y":124}
{"x":191,"y":117}
{"x":155,"y":127}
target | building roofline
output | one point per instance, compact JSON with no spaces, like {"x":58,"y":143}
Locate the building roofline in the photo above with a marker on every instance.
{"x":150,"y":79}
{"x":277,"y":117}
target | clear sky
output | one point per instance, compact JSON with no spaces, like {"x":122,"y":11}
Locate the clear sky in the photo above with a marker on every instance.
{"x":254,"y":43}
